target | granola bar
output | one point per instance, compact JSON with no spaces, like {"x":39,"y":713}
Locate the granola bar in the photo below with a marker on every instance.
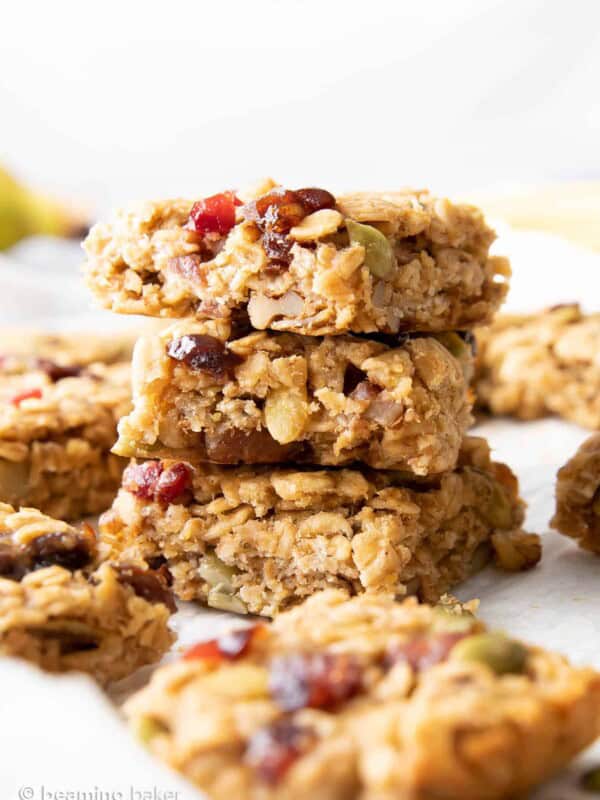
{"x":367,"y":699}
{"x":61,"y":612}
{"x":22,"y":349}
{"x":57,"y":425}
{"x":578,"y":496}
{"x":302,"y":261}
{"x":531,"y":366}
{"x":257,"y":539}
{"x":201,"y":394}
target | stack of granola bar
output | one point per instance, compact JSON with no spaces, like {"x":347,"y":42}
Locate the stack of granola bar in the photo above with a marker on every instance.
{"x":302,"y":423}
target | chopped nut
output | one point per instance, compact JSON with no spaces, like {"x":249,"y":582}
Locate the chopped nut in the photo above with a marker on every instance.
{"x":226,"y":602}
{"x":316,"y":226}
{"x":262,"y":310}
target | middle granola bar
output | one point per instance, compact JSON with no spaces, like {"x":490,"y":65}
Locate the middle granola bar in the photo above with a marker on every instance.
{"x":204,"y":391}
{"x":259,"y":539}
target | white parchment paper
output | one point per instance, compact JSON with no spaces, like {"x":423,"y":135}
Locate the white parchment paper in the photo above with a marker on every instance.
{"x":62,"y":734}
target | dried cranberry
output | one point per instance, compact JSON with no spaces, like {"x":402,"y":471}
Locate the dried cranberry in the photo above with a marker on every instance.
{"x":315,"y":680}
{"x":26,"y":395}
{"x":147,"y":584}
{"x":228,"y":647}
{"x":55,"y":371}
{"x":204,"y":353}
{"x":315,"y":199}
{"x":141,"y":479}
{"x":61,"y":549}
{"x":173,"y":483}
{"x":422,"y":652}
{"x":215,"y":214}
{"x":272,"y":750}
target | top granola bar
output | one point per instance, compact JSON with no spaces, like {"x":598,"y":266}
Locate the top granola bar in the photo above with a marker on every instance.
{"x":302,"y":261}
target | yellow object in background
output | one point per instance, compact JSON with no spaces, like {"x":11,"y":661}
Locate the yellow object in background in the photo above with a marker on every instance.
{"x":571,"y":210}
{"x":27,"y":213}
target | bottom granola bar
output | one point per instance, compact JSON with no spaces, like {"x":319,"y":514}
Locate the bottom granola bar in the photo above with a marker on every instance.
{"x":578,"y":496}
{"x":59,"y":612}
{"x":257,"y":539}
{"x":370,"y":699}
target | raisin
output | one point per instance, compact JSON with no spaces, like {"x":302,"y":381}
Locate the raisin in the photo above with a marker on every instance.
{"x":141,"y":479}
{"x":314,"y":680}
{"x":215,"y":214}
{"x":228,"y":647}
{"x":56,"y":372}
{"x":353,"y":376}
{"x":173,"y":483}
{"x":424,"y":651}
{"x":205,"y":354}
{"x":147,"y":584}
{"x":13,"y":564}
{"x":315,"y":199}
{"x":61,"y":549}
{"x":277,"y":212}
{"x":273,"y":749}
{"x":234,"y":446}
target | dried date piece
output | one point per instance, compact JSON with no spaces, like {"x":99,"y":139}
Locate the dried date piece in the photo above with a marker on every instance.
{"x":423,"y":652}
{"x":272,"y":750}
{"x":314,"y":680}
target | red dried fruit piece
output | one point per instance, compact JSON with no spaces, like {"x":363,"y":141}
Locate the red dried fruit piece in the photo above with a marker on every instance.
{"x":173,"y":483}
{"x":152,"y":481}
{"x":141,"y":479}
{"x":314,"y":680}
{"x":26,"y":395}
{"x":215,"y":214}
{"x":204,"y":353}
{"x":55,"y":371}
{"x":147,"y":584}
{"x":272,"y":750}
{"x":228,"y":647}
{"x":423,"y":651}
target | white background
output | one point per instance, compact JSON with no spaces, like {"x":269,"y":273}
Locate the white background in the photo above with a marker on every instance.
{"x":119,"y":99}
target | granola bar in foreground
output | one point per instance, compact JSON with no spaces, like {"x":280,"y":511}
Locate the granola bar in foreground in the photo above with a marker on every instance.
{"x":531,"y":366}
{"x":62,"y":612}
{"x":302,"y":261}
{"x":258,"y":539}
{"x":57,"y":425}
{"x":367,"y":699}
{"x":578,"y":496}
{"x":206,"y":393}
